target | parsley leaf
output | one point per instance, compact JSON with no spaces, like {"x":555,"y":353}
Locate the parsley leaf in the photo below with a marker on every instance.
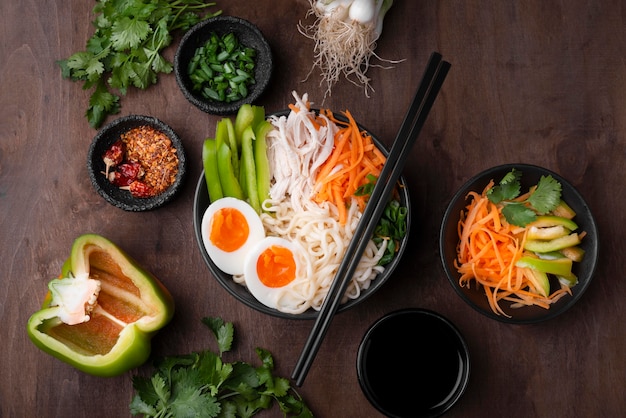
{"x":126,"y":49}
{"x":542,"y":199}
{"x":202,"y":384}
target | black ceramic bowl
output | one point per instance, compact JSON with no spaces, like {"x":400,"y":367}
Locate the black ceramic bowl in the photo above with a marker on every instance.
{"x":106,"y":137}
{"x":413,"y":363}
{"x":248,"y":35}
{"x":475,"y":296}
{"x":201,"y":203}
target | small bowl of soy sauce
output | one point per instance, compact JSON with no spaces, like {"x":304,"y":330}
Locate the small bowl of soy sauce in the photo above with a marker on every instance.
{"x":413,"y":363}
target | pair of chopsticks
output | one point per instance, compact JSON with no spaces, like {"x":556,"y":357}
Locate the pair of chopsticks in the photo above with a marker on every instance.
{"x":431,"y":83}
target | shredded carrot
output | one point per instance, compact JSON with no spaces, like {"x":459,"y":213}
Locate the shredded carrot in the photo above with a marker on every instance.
{"x":487,"y":251}
{"x":354,"y":157}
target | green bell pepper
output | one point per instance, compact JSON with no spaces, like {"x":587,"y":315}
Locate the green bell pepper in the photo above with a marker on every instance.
{"x":101,"y":314}
{"x":543,"y":246}
{"x":559,"y":266}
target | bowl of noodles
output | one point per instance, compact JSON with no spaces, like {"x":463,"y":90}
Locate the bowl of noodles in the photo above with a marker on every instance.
{"x":324,"y":241}
{"x":507,"y":284}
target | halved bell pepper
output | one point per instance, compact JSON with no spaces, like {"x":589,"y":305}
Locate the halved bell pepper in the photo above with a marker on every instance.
{"x":102,"y":312}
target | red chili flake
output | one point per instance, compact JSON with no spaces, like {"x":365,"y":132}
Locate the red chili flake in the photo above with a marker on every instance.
{"x":144,"y":154}
{"x":114,"y":155}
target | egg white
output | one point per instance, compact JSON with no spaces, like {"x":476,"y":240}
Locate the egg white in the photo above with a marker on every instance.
{"x":295,"y":296}
{"x":231,"y":262}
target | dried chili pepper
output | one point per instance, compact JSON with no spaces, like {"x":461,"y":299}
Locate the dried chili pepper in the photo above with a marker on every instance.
{"x":125,"y":174}
{"x":140,"y":189}
{"x":114,"y":155}
{"x":146,"y":154}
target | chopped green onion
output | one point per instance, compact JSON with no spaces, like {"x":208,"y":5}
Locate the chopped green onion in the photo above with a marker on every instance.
{"x":222,"y":69}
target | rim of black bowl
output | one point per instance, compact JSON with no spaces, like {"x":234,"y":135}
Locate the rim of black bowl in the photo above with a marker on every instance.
{"x":451,"y":331}
{"x":122,"y":199}
{"x":475,"y":296}
{"x":249,"y":35}
{"x":201,"y":202}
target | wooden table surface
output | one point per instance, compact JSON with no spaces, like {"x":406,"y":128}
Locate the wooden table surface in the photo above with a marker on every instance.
{"x":535,"y":82}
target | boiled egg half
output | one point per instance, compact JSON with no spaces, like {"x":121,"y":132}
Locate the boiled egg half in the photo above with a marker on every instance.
{"x":230,"y":230}
{"x":276,"y":272}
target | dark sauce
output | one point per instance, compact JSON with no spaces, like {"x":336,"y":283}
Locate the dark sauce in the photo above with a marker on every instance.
{"x":413,"y":364}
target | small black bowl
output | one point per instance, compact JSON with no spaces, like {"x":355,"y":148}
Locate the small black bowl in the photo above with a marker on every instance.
{"x":413,"y":363}
{"x":248,"y":35}
{"x":96,"y":167}
{"x":241,"y":293}
{"x":475,"y":295}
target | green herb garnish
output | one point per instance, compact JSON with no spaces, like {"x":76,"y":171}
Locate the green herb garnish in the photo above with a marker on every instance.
{"x":126,"y":48}
{"x":392,"y":224}
{"x":544,"y":198}
{"x":201,"y":384}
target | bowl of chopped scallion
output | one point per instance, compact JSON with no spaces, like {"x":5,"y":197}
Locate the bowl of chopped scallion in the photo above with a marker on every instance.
{"x":223,"y":63}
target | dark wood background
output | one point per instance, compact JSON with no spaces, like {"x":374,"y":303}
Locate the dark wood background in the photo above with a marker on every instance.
{"x":534,"y":81}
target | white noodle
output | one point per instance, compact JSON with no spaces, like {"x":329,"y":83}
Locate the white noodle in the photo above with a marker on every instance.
{"x":296,"y":150}
{"x":325,"y":241}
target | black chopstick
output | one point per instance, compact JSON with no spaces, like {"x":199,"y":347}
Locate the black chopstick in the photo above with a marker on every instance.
{"x":431,"y":83}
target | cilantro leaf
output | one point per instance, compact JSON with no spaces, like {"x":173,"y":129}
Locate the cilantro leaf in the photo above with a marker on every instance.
{"x":546,"y":196}
{"x":507,"y":189}
{"x":367,"y":188}
{"x":148,"y":396}
{"x":202,"y":384}
{"x":518,"y":214}
{"x":542,"y":199}
{"x":190,"y":401}
{"x":222,"y":331}
{"x":128,"y":33}
{"x":139,"y":406}
{"x":101,"y":103}
{"x":243,"y":375}
{"x":126,"y":48}
{"x":161,"y":388}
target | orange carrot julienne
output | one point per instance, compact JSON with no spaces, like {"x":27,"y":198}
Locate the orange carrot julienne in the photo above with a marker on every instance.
{"x":353,"y":158}
{"x":487,"y":251}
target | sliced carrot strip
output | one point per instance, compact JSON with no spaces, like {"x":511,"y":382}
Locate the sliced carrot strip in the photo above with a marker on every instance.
{"x":354,"y":157}
{"x":487,"y":251}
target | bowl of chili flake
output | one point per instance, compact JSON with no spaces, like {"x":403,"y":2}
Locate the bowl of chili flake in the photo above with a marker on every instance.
{"x":136,"y":163}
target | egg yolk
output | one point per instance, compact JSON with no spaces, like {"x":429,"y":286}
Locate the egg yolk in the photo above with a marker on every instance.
{"x":276,"y":266}
{"x":229,"y":229}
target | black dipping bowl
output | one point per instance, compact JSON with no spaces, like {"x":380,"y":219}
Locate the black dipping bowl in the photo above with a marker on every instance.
{"x":248,"y":35}
{"x":413,"y":363}
{"x":96,"y":167}
{"x":475,"y":295}
{"x":241,"y":293}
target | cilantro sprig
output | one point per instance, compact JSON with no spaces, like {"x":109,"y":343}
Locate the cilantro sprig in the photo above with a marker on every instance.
{"x":202,"y":384}
{"x":392,"y":224}
{"x":542,"y":199}
{"x":126,"y":49}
